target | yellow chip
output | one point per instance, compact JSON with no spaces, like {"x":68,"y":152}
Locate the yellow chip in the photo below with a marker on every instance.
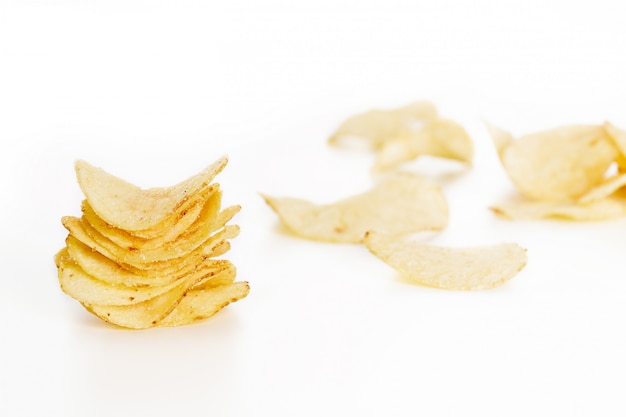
{"x":598,"y":209}
{"x":618,"y":136}
{"x":126,"y":206}
{"x":401,"y":204}
{"x":201,"y":304}
{"x":179,"y":248}
{"x":87,"y":289}
{"x":440,"y":138}
{"x":558,"y":164}
{"x":377,"y":126}
{"x":474,"y":268}
{"x":187,"y":228}
{"x":605,"y":189}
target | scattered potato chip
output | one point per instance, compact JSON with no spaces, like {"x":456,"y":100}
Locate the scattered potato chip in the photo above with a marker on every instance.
{"x":126,"y":206}
{"x":400,"y":204}
{"x":605,"y":189}
{"x":474,"y":268}
{"x":618,"y":136}
{"x":440,"y":137}
{"x":377,"y":126}
{"x":558,"y":164}
{"x":142,"y":276}
{"x":600,"y":209}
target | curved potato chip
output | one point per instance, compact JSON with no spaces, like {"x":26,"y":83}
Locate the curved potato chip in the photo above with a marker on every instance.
{"x":181,"y":247}
{"x":129,"y":207}
{"x":618,"y":136}
{"x":605,"y":189}
{"x":201,"y":304}
{"x":601,"y":209}
{"x":474,"y":268}
{"x":187,"y":228}
{"x":401,"y":204}
{"x":113,"y":273}
{"x":377,"y":126}
{"x":87,"y":289}
{"x":441,"y":138}
{"x":558,"y":164}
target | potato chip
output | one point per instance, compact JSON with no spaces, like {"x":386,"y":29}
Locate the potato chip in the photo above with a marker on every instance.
{"x":599,"y":209}
{"x":126,"y":206}
{"x":400,"y":204}
{"x":181,"y":247}
{"x":605,"y":189}
{"x":201,"y":304}
{"x":155,"y":274}
{"x":473,"y":268}
{"x":618,"y":136}
{"x":558,"y":164}
{"x":377,"y":126}
{"x":440,"y":138}
{"x":182,"y":230}
{"x":81,"y":286}
{"x":146,"y":238}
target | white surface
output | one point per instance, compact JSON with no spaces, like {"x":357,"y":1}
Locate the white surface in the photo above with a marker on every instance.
{"x":154,"y":91}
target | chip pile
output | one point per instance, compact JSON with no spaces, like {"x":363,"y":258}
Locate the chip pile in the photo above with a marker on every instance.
{"x":571,"y":172}
{"x":141,"y":258}
{"x":403,"y":203}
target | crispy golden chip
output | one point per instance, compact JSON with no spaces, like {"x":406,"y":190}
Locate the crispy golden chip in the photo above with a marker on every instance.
{"x":400,"y":204}
{"x":474,"y":268}
{"x":377,"y":126}
{"x":441,"y":138}
{"x":558,"y":164}
{"x":90,"y":290}
{"x":166,"y":232}
{"x":182,"y":230}
{"x":126,"y":206}
{"x":605,"y":189}
{"x":113,"y":273}
{"x":181,"y":247}
{"x":599,"y":209}
{"x":145,"y":314}
{"x":201,"y":304}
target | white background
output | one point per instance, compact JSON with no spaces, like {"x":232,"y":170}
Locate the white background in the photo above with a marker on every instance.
{"x":153,"y":91}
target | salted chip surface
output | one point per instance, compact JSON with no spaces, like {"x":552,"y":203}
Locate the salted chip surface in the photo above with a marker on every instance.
{"x":376,"y":126}
{"x":400,"y":204}
{"x":126,"y":206}
{"x":440,"y":138}
{"x":558,"y":164}
{"x":598,"y":209}
{"x":202,"y":304}
{"x":81,"y":286}
{"x":472,"y":268}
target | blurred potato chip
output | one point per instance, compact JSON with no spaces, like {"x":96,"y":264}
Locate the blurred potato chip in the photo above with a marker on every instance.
{"x":557,"y":164}
{"x":377,"y":126}
{"x":473,"y":268}
{"x":599,"y":209}
{"x":136,"y":255}
{"x":605,"y":189}
{"x":618,"y":136}
{"x":400,"y":204}
{"x":440,"y":138}
{"x":126,"y":206}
